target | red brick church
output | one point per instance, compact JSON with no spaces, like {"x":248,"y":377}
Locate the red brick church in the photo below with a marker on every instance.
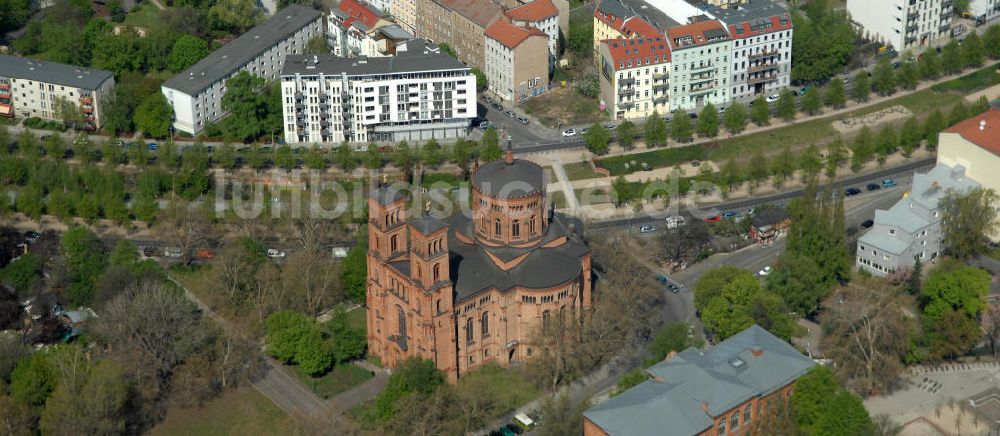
{"x":465,"y":291}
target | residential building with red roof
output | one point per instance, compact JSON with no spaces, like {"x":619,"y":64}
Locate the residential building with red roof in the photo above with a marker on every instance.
{"x":635,"y":76}
{"x":614,"y":19}
{"x":458,"y":23}
{"x":975,"y":145}
{"x":517,"y":60}
{"x":701,"y":53}
{"x":541,"y":14}
{"x":351,"y":25}
{"x":762,"y":47}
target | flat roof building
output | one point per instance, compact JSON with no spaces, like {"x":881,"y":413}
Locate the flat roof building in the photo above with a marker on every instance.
{"x":196,"y":93}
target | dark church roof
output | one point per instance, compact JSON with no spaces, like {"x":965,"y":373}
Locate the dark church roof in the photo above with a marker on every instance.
{"x":509,"y":180}
{"x":472,"y":271}
{"x":428,"y":224}
{"x":388,"y":194}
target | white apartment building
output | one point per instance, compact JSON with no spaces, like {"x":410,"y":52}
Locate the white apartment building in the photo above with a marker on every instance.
{"x":415,"y":96}
{"x":762,"y":47}
{"x":542,"y":15}
{"x":700,"y":53}
{"x":984,"y":10}
{"x":196,"y":93}
{"x":635,"y":77}
{"x":517,"y":60}
{"x":32,"y":88}
{"x":903,"y":24}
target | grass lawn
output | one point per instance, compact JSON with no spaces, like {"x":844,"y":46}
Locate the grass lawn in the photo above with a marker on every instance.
{"x":920,"y":103}
{"x":580,"y":171}
{"x":340,"y":379}
{"x":148,"y":16}
{"x":564,"y":105}
{"x":508,"y":387}
{"x":664,"y":157}
{"x":357,"y":318}
{"x":235,"y":412}
{"x":558,"y":199}
{"x":980,"y":79}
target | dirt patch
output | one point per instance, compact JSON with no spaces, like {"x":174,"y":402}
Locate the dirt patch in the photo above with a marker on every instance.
{"x":853,"y":124}
{"x":564,"y":105}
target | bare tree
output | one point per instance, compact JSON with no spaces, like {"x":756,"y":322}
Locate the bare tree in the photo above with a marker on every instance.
{"x":867,"y":333}
{"x":234,"y":269}
{"x":185,"y":228}
{"x":683,"y":244}
{"x":266,"y":291}
{"x":313,"y":281}
{"x":310,"y":232}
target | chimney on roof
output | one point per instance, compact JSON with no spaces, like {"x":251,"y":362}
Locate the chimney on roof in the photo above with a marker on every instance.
{"x":757,"y":351}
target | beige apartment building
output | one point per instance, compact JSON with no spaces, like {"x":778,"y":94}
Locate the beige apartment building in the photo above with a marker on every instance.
{"x":458,"y":23}
{"x":614,"y":20}
{"x":975,"y":145}
{"x":405,"y":14}
{"x":635,"y":76}
{"x":32,"y":88}
{"x":433,"y":21}
{"x":517,"y":60}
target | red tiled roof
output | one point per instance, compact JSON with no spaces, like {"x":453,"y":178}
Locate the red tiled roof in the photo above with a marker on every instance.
{"x":776,"y":26}
{"x":987,"y":138}
{"x":510,"y":35}
{"x":696,"y":31}
{"x":537,"y":10}
{"x":357,"y":11}
{"x":481,"y":12}
{"x":631,"y":27}
{"x":640,"y":51}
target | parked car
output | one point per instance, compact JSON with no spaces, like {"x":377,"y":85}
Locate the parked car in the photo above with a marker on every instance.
{"x":148,"y":251}
{"x":888,"y":183}
{"x":851,"y":192}
{"x":497,"y":106}
{"x":765,"y":271}
{"x":523,"y":120}
{"x":152,"y":146}
{"x":172,"y":252}
{"x":713,"y":218}
{"x":568,"y":132}
{"x":611,"y":127}
{"x":867,"y":224}
{"x":510,"y":114}
{"x":647,"y":229}
{"x":339,"y":252}
{"x":675,"y":221}
{"x":584,"y":130}
{"x":275,"y":253}
{"x":729,"y":214}
{"x":696,"y":163}
{"x":722,"y":109}
{"x":673,"y":287}
{"x":663,"y":279}
{"x":204,"y":254}
{"x":693,"y":115}
{"x":31,"y":236}
{"x":484,"y":125}
{"x":873,"y":187}
{"x":771,"y":98}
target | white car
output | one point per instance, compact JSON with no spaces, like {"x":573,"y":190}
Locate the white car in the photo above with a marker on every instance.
{"x":647,"y":229}
{"x":569,"y":132}
{"x":765,"y":271}
{"x":771,"y":98}
{"x":275,"y":253}
{"x":675,"y":221}
{"x":172,"y":252}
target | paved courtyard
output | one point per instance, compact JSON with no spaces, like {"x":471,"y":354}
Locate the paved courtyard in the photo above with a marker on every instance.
{"x":935,"y":400}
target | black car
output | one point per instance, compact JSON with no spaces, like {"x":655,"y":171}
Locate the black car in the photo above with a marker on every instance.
{"x":673,"y":287}
{"x":873,"y":187}
{"x":867,"y":224}
{"x":851,"y":191}
{"x":31,"y":235}
{"x":497,"y":106}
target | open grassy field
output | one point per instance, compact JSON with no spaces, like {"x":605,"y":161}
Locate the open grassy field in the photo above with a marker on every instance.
{"x":236,"y":412}
{"x":147,"y":16}
{"x":564,"y":105}
{"x":339,"y":379}
{"x":579,"y":171}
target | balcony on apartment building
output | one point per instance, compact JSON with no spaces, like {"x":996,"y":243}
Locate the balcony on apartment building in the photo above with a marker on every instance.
{"x":762,"y":67}
{"x":912,"y":16}
{"x":661,"y":76}
{"x":86,"y":99}
{"x":702,"y":67}
{"x":912,"y":28}
{"x":910,"y":40}
{"x":661,"y":100}
{"x":944,"y":27}
{"x":704,"y":88}
{"x":626,"y":105}
{"x":946,"y":5}
{"x":708,"y":75}
{"x":626,"y":82}
{"x":763,"y":78}
{"x":763,"y":54}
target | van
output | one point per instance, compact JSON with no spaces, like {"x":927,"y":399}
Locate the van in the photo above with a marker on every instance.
{"x":339,"y":252}
{"x":675,"y":221}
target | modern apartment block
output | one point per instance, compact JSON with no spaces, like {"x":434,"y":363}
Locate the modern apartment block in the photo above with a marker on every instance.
{"x":32,"y":88}
{"x":517,"y":60}
{"x":724,"y":390}
{"x":196,"y":93}
{"x":762,"y":47}
{"x":352,"y":28}
{"x":542,"y":15}
{"x":635,"y":76}
{"x":903,"y":24}
{"x":701,"y":53}
{"x":415,"y":96}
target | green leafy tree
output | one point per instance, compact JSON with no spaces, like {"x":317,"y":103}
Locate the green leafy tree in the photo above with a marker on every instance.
{"x":862,"y":88}
{"x":951,"y":334}
{"x":414,"y":375}
{"x":973,"y":50}
{"x":835,"y":96}
{"x":886,"y":144}
{"x":968,"y":219}
{"x":490,"y":144}
{"x":313,"y":353}
{"x":284,"y":159}
{"x":16,"y":13}
{"x":354,"y":273}
{"x":235,"y":15}
{"x":933,"y":125}
{"x":245,"y":100}
{"x":626,"y":132}
{"x":929,"y":65}
{"x":810,"y":162}
{"x":622,"y":190}
{"x":951,"y":57}
{"x":823,"y":42}
{"x":822,"y":407}
{"x":991,"y":41}
{"x":759,"y":169}
{"x":786,"y":105}
{"x":348,"y":342}
{"x":655,"y":131}
{"x":674,"y":337}
{"x":953,"y":286}
{"x":316,"y":46}
{"x":680,"y":126}
{"x":29,"y":202}
{"x":86,"y":258}
{"x":597,"y":138}
{"x":760,"y":111}
{"x":629,"y":380}
{"x":32,"y":381}
{"x":913,"y":284}
{"x":344,"y":158}
{"x":909,"y":75}
{"x":153,"y":116}
{"x":481,"y":81}
{"x":910,"y":136}
{"x":836,"y":155}
{"x":884,"y":79}
{"x":431,"y":153}
{"x":94,"y":403}
{"x":285,"y":329}
{"x":783,"y":166}
{"x":736,"y":118}
{"x":741,"y":303}
{"x":187,"y":51}
{"x":708,"y":122}
{"x":812,"y":101}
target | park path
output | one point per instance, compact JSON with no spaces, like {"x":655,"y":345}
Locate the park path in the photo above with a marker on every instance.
{"x":567,"y":188}
{"x":275,"y":383}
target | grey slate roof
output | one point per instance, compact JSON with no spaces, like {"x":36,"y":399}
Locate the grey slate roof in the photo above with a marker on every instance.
{"x":634,"y":8}
{"x":231,"y":57}
{"x":472,"y":271}
{"x":427,"y":224}
{"x":388,"y":194}
{"x":395,"y":32}
{"x":403,"y":62}
{"x":52,"y":72}
{"x":929,"y":187}
{"x":769,"y":217}
{"x":722,"y":377}
{"x":500,"y":179}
